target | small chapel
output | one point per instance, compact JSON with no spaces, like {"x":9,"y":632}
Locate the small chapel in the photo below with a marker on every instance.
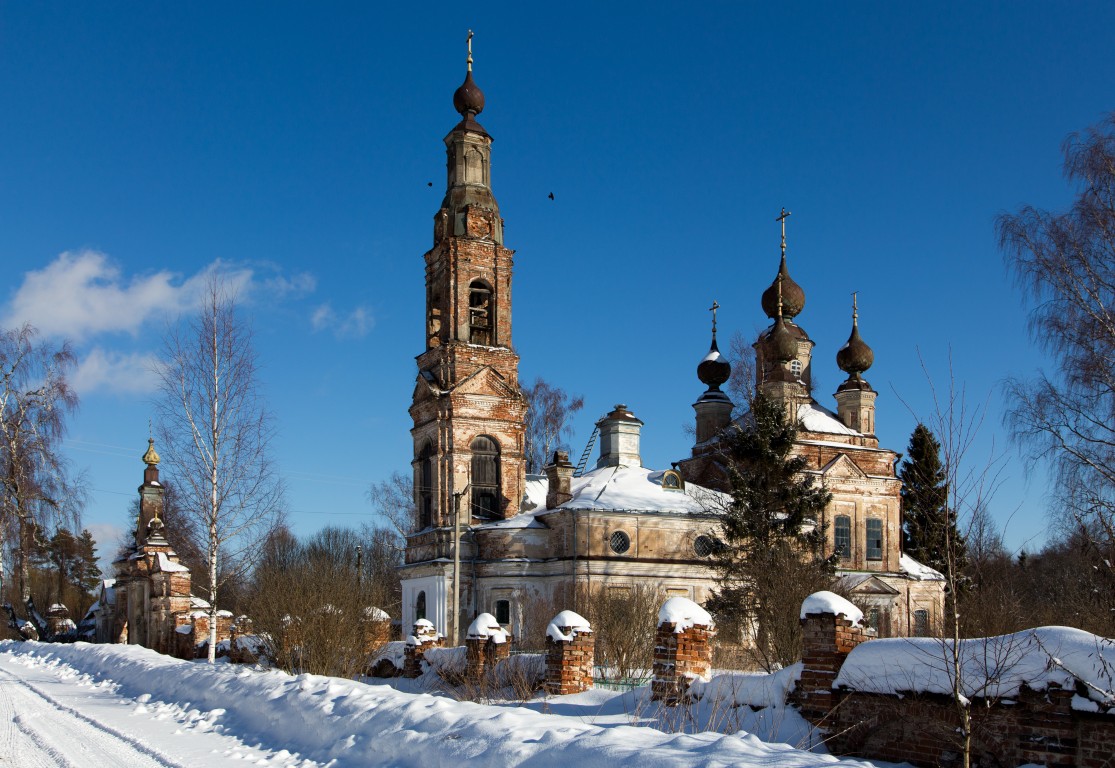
{"x":150,"y":602}
{"x":489,"y":538}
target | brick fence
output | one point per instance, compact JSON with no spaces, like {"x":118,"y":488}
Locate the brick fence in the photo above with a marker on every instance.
{"x":682,"y":650}
{"x":570,"y":650}
{"x":1035,"y":726}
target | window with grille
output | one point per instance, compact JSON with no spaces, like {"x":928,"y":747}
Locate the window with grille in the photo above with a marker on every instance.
{"x":874,"y":538}
{"x":485,"y":477}
{"x":620,"y":542}
{"x":705,"y":545}
{"x":842,"y":536}
{"x":795,"y":367}
{"x":921,"y":623}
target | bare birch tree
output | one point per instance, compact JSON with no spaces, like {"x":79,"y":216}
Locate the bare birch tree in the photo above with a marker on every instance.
{"x":35,"y":398}
{"x":217,"y":430}
{"x":549,"y":409}
{"x":1065,"y":263}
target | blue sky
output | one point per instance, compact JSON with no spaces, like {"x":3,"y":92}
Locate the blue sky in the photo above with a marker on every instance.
{"x":291,"y":145}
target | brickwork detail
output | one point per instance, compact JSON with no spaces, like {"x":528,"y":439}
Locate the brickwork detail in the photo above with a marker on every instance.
{"x":1035,"y":727}
{"x":569,"y":662}
{"x":679,"y":657}
{"x":424,"y":638}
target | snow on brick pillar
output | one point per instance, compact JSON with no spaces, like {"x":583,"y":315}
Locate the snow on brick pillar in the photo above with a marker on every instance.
{"x":682,"y":649}
{"x":424,"y":638}
{"x":831,"y":628}
{"x":486,"y":644}
{"x":570,"y":647}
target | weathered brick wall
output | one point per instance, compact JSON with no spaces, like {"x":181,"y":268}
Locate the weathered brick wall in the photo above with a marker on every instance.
{"x":678,"y":658}
{"x":569,"y":662}
{"x":481,"y":656}
{"x":423,"y":638}
{"x":1034,"y":727}
{"x":827,"y":640}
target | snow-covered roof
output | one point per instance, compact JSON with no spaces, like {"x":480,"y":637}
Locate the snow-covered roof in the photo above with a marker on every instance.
{"x":991,"y":667}
{"x":814,"y":418}
{"x":166,"y":566}
{"x":617,"y":489}
{"x":830,"y":602}
{"x":918,"y":571}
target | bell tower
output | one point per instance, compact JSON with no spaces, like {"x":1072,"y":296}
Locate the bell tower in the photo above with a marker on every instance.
{"x":467,"y":407}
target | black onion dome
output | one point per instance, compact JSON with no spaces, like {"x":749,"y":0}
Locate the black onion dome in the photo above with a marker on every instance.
{"x":855,"y":356}
{"x":714,"y":370}
{"x":793,"y":297}
{"x":781,"y":344}
{"x":469,"y":99}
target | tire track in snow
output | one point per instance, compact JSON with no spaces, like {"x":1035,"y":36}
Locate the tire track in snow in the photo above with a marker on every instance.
{"x":16,"y":746}
{"x":67,"y":736}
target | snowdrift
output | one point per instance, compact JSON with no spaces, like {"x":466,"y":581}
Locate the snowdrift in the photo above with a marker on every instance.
{"x":328,"y":719}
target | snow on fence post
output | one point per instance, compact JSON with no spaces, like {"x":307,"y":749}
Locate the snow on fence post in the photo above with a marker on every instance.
{"x":570,"y":647}
{"x":424,"y":638}
{"x":486,"y":643}
{"x":830,"y":628}
{"x":682,"y":649}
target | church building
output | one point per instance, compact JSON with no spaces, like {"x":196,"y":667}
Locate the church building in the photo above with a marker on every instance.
{"x":489,"y":538}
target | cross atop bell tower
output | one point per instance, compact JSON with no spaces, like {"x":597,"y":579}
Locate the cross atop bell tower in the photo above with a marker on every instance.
{"x":467,"y":407}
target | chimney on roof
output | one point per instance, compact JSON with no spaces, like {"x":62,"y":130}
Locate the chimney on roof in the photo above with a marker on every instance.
{"x":559,"y":476}
{"x":619,"y":439}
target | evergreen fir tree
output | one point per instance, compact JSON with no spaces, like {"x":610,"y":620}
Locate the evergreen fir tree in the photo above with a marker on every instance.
{"x":772,"y":556}
{"x":928,"y":527}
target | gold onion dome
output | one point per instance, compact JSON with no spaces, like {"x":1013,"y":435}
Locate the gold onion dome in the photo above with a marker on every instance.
{"x":151,"y":457}
{"x":793,"y":297}
{"x":855,"y":356}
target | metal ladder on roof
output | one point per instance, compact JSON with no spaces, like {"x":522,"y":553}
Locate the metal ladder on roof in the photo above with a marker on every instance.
{"x":580,"y":470}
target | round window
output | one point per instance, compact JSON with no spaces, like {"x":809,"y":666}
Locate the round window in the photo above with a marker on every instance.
{"x":620,"y":542}
{"x":704,"y":546}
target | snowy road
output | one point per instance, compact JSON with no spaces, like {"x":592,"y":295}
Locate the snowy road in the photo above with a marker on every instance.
{"x":52,"y":717}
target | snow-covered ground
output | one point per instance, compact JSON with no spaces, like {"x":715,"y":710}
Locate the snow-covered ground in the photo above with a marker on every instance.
{"x":108,"y":705}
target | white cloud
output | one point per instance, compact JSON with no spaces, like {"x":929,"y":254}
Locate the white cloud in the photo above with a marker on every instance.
{"x":83,"y":293}
{"x":115,"y":372}
{"x":356,"y":324}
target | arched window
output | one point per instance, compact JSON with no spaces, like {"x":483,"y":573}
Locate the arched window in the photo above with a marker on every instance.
{"x":424,"y":487}
{"x":481,"y":313}
{"x":485,"y":477}
{"x":420,"y":606}
{"x":795,"y":368}
{"x":842,"y":536}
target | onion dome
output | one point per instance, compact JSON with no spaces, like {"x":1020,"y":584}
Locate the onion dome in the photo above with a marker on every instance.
{"x":713,"y":369}
{"x":469,"y":99}
{"x":780,"y":342}
{"x":793,"y":297}
{"x":855,"y":356}
{"x":151,"y":458}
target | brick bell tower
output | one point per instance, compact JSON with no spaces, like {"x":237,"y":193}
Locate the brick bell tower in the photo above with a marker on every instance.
{"x":467,"y":407}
